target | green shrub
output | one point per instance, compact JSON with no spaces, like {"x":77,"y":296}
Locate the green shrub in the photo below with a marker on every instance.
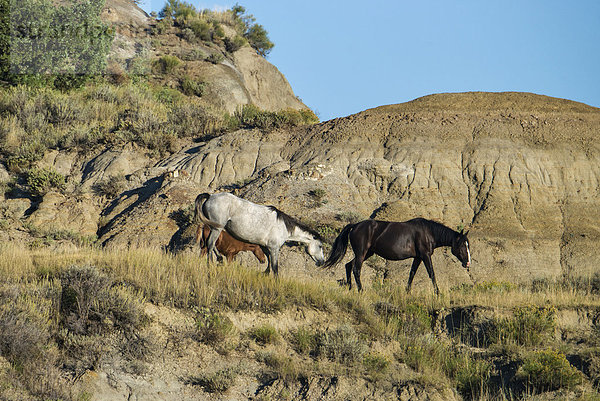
{"x":213,"y":328}
{"x":191,"y":120}
{"x":258,"y":38}
{"x":218,"y":381}
{"x":283,"y":366}
{"x":342,"y":344}
{"x":254,"y":33}
{"x":168,"y":96}
{"x":27,"y":324}
{"x":81,"y":352}
{"x":194,"y":55}
{"x":318,"y":194}
{"x":201,"y":29}
{"x":425,"y":356}
{"x":528,"y":326}
{"x":233,"y":45}
{"x":471,"y":375}
{"x":166,"y":64}
{"x":192,"y":87}
{"x":548,"y":370}
{"x":265,"y":334}
{"x":250,"y":116}
{"x":41,"y":180}
{"x":376,"y":365}
{"x":348,"y":217}
{"x":304,"y":340}
{"x":411,"y":320}
{"x":215,"y":58}
{"x":91,"y":304}
{"x":586,"y":285}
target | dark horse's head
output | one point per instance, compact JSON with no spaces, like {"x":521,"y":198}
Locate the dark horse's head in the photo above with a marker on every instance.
{"x":460,"y":249}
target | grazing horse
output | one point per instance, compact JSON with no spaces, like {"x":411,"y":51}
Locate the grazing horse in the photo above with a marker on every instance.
{"x":416,"y":238}
{"x":227,"y":245}
{"x":265,"y":226}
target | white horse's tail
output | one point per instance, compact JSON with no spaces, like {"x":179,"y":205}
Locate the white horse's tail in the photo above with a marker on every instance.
{"x":199,"y":216}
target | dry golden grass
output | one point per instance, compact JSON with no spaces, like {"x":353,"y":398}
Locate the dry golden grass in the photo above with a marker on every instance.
{"x":186,"y":280}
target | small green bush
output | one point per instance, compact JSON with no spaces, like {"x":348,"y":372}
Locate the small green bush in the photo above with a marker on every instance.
{"x":218,"y":381}
{"x":411,"y":320}
{"x":91,"y":304}
{"x":376,"y":365}
{"x":529,"y":326}
{"x":194,"y":55}
{"x":250,"y":116}
{"x":265,"y":334}
{"x":471,"y":375}
{"x":215,"y":58}
{"x":319,"y":195}
{"x":283,"y":366}
{"x":548,"y":370}
{"x":192,"y":87}
{"x":233,"y":45}
{"x":304,"y":340}
{"x":166,"y":64}
{"x":342,"y":344}
{"x":27,"y":324}
{"x":41,"y":180}
{"x":213,"y":328}
{"x":424,"y":356}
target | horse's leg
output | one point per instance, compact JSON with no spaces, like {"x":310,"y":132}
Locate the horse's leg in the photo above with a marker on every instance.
{"x":210,"y":243}
{"x":349,"y":273}
{"x":258,"y":254}
{"x":358,"y":261}
{"x":429,"y":266}
{"x":274,"y":257}
{"x":356,"y":270}
{"x":268,"y":255}
{"x":413,"y":269}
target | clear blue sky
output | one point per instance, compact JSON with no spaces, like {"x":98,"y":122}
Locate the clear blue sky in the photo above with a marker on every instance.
{"x":342,"y":57}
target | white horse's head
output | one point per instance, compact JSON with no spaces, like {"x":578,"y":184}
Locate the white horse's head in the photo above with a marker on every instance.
{"x":315,"y":250}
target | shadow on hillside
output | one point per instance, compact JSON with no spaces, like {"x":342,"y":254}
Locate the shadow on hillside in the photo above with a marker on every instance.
{"x":143,"y":193}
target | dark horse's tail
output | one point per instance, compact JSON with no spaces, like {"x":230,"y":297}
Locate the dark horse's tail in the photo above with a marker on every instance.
{"x":338,"y":249}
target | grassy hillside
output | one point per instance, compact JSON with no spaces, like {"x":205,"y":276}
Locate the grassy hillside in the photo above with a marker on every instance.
{"x":152,"y":98}
{"x":68,"y":313}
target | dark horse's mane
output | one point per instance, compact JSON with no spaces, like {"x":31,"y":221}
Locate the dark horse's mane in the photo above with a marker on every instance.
{"x":442,"y":234}
{"x":291,"y":223}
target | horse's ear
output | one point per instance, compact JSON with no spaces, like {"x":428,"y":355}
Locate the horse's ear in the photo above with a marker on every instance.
{"x":465,"y":234}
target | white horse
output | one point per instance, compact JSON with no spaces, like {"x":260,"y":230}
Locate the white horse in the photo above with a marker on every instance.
{"x":265,"y":226}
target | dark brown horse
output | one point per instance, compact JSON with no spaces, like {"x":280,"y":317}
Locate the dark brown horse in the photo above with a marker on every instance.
{"x":227,"y":245}
{"x":416,"y":238}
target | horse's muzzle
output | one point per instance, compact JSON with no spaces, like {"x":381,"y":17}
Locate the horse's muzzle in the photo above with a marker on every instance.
{"x":467,"y":265}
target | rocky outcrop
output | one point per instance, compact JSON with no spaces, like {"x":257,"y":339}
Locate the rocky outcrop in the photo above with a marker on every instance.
{"x":243,"y":77}
{"x":519,"y":170}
